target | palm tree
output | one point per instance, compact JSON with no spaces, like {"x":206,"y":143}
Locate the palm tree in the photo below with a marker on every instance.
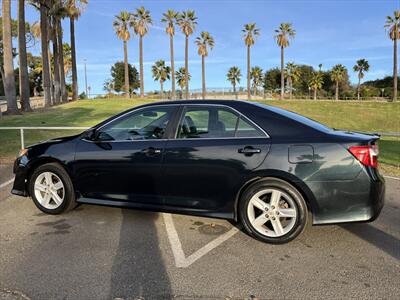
{"x":61,"y":13}
{"x":9,"y":78}
{"x":187,"y":22}
{"x":75,"y":9}
{"x":283,"y":34}
{"x":292,"y":73}
{"x":23,"y":59}
{"x":181,"y":76}
{"x":141,"y":23}
{"x":250,"y":32}
{"x":161,"y":72}
{"x":256,"y":75}
{"x":337,"y":73}
{"x":233,"y":77}
{"x":170,"y":18}
{"x":361,"y":67}
{"x":316,"y":83}
{"x":203,"y":42}
{"x":393,"y":27}
{"x":121,"y":26}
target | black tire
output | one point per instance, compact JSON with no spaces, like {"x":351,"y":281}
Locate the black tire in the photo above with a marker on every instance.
{"x":68,"y":202}
{"x":283,"y":186}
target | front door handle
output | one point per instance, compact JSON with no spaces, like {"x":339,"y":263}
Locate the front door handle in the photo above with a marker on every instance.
{"x":249,"y":150}
{"x":151,"y":151}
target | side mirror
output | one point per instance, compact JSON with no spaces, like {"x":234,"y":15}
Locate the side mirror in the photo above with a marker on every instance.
{"x":90,"y":134}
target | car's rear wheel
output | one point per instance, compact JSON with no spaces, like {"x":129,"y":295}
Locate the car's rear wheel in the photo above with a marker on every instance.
{"x":273,"y":211}
{"x":51,"y":189}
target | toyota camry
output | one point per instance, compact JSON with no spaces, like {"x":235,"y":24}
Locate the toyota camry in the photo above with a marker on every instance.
{"x":270,"y":169}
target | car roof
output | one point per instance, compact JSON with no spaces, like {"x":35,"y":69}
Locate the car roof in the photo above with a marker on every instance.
{"x":205,"y":101}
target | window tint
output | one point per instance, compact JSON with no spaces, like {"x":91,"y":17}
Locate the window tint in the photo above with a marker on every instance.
{"x":215,"y":122}
{"x":246,"y":129}
{"x":207,"y":122}
{"x":145,"y":124}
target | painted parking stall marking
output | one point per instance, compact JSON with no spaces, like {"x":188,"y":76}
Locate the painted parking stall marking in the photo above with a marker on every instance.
{"x":181,"y":261}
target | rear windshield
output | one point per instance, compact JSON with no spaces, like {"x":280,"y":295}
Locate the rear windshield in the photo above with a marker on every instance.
{"x":296,"y":117}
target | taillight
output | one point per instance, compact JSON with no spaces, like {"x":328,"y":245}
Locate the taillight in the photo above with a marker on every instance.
{"x":367,"y":155}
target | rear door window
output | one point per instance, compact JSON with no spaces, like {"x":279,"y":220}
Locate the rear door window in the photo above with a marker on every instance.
{"x":215,"y":122}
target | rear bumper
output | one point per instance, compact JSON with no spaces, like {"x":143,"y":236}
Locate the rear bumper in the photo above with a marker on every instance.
{"x":20,"y":181}
{"x":359,"y":200}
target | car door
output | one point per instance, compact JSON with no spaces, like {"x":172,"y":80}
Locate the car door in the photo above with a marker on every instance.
{"x":214,"y":150}
{"x":123,"y":160}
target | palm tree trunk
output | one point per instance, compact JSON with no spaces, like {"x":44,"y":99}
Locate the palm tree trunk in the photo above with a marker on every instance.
{"x":337,"y":90}
{"x":282,"y":74}
{"x":291,"y":88}
{"x":171,"y":45}
{"x":394,"y":70}
{"x":203,"y":77}
{"x":141,"y":66}
{"x":56,"y":67}
{"x":73,"y":60}
{"x":234,"y":91}
{"x":161,"y":89}
{"x":23,"y":60}
{"x":248,"y":73}
{"x":186,"y":67}
{"x":126,"y":69}
{"x":255,"y":90}
{"x":45,"y":56}
{"x":9,"y":77}
{"x":358,"y":87}
{"x":64,"y":95}
{"x":315,"y":94}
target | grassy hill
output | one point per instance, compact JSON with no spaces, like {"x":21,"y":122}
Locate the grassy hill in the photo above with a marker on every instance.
{"x":358,"y":116}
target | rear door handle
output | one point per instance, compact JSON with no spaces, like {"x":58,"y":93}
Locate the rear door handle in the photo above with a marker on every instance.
{"x":249,"y":150}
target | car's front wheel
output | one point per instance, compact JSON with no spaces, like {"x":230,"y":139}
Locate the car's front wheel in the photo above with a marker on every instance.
{"x":51,"y":189}
{"x":273,"y":211}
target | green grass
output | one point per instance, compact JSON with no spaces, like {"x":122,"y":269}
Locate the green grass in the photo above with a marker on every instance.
{"x":358,"y":116}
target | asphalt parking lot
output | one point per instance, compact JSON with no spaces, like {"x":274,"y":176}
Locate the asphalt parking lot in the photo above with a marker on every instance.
{"x":97,"y":252}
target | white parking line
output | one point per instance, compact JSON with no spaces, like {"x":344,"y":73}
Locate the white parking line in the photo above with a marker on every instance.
{"x":391,"y":177}
{"x":181,"y":261}
{"x":6,"y":183}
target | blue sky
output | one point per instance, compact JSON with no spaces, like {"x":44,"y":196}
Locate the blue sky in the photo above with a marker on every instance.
{"x":328,"y":32}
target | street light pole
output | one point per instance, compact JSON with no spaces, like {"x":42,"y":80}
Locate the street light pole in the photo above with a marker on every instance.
{"x":86,"y":86}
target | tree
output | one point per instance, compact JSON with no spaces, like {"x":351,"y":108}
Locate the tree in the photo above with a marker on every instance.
{"x":170,"y":18}
{"x":272,"y":79}
{"x":161,"y":73}
{"x":360,"y":67}
{"x":181,"y":76}
{"x":75,"y":9}
{"x":8,"y":76}
{"x":316,"y":83}
{"x":142,"y":20}
{"x":283,"y":35}
{"x":256,"y":75}
{"x":121,"y":26}
{"x":22,"y":58}
{"x":392,"y":26}
{"x":108,"y":85}
{"x":233,"y":77}
{"x":337,"y":73}
{"x":35,"y":74}
{"x":187,"y":21}
{"x":203,"y":42}
{"x":250,"y":32}
{"x":292,"y":73}
{"x":118,"y":77}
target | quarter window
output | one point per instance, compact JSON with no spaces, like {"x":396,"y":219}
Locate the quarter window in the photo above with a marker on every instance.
{"x":215,"y":122}
{"x":146,"y":124}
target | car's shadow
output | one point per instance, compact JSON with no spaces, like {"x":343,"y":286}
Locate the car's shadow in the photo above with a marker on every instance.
{"x":376,"y":237}
{"x":138,"y":269}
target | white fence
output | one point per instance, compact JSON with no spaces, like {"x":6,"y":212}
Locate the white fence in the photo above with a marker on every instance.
{"x":22,"y":130}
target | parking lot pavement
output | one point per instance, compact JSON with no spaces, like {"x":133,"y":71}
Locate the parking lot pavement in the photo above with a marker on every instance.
{"x":106,"y":253}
